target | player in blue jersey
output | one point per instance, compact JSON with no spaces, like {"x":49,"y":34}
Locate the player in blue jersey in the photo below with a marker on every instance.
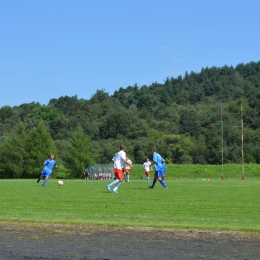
{"x":157,"y":161}
{"x":47,"y":170}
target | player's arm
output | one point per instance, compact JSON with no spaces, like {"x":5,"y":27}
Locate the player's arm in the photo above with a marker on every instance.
{"x":153,"y":162}
{"x":56,"y":165}
{"x":132,"y":164}
{"x":150,"y":165}
{"x":155,"y":159}
{"x":126,"y":162}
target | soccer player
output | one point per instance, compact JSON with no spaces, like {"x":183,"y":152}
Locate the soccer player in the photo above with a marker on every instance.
{"x":147,"y":165}
{"x":119,"y":159}
{"x":47,"y":170}
{"x":127,"y":169}
{"x":157,"y":161}
{"x":86,"y":174}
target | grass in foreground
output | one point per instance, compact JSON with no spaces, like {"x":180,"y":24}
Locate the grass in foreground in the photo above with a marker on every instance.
{"x":190,"y":204}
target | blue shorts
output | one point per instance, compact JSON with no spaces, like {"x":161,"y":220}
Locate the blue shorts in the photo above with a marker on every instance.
{"x":46,"y":173}
{"x":158,"y":173}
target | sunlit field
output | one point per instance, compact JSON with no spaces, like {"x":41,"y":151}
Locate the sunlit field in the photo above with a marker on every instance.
{"x":212,"y":204}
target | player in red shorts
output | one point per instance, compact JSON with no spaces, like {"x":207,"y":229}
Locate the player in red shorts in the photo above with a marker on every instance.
{"x":127,"y":169}
{"x":147,"y":165}
{"x":119,"y":159}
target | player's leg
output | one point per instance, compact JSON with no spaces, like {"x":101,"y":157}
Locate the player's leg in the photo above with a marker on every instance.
{"x":119,"y":176}
{"x":45,"y":180}
{"x":116,"y":181}
{"x":46,"y":177}
{"x":160,"y":174}
{"x":148,"y":178}
{"x":40,"y":177}
{"x":127,"y":171}
{"x":154,"y":180}
{"x":147,"y":175}
{"x":117,"y":186}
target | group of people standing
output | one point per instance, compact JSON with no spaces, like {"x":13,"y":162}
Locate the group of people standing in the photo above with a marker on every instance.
{"x":122,"y":166}
{"x":120,"y":159}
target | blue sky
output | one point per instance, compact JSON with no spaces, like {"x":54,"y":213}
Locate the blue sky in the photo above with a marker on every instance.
{"x":53,"y":48}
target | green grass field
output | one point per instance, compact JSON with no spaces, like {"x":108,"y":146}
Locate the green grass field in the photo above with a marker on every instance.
{"x":179,"y":171}
{"x":190,"y":204}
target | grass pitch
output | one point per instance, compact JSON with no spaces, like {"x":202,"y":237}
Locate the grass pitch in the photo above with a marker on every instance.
{"x":189,"y":204}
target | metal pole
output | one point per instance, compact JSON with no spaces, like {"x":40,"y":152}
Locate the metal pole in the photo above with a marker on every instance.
{"x":222,"y":142}
{"x":242,"y":142}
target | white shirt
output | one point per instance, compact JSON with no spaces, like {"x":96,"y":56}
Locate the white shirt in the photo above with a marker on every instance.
{"x":147,"y":166}
{"x":119,"y":160}
{"x":127,"y":166}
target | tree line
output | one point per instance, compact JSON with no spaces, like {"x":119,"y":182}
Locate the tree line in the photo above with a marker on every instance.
{"x":181,"y":117}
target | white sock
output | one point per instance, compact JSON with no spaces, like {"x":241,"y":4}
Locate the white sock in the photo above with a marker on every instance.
{"x":128,"y":177}
{"x":117,"y":186}
{"x":113,"y":183}
{"x":148,"y":178}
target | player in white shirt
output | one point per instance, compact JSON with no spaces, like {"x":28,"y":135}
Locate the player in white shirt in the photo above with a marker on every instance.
{"x":147,"y":166}
{"x":127,"y":169}
{"x":119,"y":159}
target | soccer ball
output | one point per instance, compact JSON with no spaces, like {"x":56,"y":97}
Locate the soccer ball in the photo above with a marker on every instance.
{"x":60,"y":183}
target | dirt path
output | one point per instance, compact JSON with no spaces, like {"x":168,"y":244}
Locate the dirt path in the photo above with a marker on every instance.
{"x":22,"y":241}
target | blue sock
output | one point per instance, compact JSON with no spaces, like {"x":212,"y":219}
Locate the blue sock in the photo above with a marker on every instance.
{"x":154,"y":181}
{"x":163,"y":183}
{"x":44,"y":182}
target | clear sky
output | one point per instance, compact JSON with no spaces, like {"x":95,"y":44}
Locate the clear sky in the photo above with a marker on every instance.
{"x":53,"y":48}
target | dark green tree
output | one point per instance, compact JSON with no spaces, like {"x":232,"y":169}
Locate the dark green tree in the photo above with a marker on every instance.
{"x":79,"y":153}
{"x":13,"y":153}
{"x":116,"y":124}
{"x":39,"y":145}
{"x":45,"y":113}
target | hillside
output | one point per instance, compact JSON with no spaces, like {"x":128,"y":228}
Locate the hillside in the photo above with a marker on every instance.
{"x":180,"y":117}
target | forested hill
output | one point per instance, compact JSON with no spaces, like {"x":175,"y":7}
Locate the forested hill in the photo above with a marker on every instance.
{"x":180,"y":117}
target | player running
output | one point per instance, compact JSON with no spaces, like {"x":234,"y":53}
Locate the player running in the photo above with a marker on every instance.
{"x":127,"y":169}
{"x":47,"y":170}
{"x":147,"y":166}
{"x":119,"y":159}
